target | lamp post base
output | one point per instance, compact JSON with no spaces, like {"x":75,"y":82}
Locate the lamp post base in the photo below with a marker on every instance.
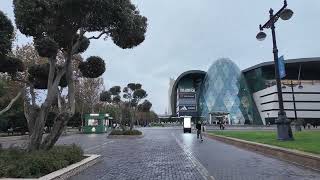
{"x":284,"y":130}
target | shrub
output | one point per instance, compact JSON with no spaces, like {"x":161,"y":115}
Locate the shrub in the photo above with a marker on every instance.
{"x":126,"y":132}
{"x":132,"y":132}
{"x":157,"y":124}
{"x":17,"y":163}
{"x":116,"y":132}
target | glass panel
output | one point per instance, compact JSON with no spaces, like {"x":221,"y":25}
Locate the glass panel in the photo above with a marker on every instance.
{"x":93,"y":122}
{"x":224,"y":90}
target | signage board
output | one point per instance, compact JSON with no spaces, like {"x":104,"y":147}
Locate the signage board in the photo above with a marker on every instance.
{"x":187,"y":90}
{"x":187,"y":122}
{"x":187,"y":108}
{"x":187,"y":95}
{"x":281,"y":66}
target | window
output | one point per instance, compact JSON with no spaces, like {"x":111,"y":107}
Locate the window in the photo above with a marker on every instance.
{"x":93,"y":122}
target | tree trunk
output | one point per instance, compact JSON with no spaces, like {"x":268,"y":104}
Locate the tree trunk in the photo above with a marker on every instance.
{"x":131,"y":118}
{"x":36,"y":133}
{"x":37,"y":129}
{"x":57,"y":129}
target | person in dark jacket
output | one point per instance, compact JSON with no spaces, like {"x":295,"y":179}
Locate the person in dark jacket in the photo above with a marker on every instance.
{"x":199,"y":128}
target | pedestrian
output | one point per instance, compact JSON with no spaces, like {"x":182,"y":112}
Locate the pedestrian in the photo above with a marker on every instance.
{"x":199,"y":128}
{"x":308,"y":125}
{"x":204,"y":127}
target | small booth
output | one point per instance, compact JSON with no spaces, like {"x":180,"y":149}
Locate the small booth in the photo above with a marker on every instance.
{"x":96,"y":123}
{"x":186,"y":124}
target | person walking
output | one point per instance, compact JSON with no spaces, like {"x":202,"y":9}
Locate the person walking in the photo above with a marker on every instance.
{"x":199,"y":128}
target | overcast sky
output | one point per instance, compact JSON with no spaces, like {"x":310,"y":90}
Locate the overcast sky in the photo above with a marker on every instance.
{"x":191,"y":34}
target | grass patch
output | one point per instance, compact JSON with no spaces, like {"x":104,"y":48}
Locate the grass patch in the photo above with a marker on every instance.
{"x":17,"y":163}
{"x":308,"y":141}
{"x":126,"y":132}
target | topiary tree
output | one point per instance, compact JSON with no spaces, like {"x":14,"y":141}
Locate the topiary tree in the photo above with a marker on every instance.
{"x":6,"y":34}
{"x":112,"y":96}
{"x":144,"y":110}
{"x":133,"y":94}
{"x":60,"y":27}
{"x":8,"y":64}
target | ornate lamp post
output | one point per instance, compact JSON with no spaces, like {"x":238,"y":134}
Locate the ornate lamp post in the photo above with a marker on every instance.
{"x":283,"y":124}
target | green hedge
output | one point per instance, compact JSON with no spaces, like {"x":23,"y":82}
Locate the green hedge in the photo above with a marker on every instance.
{"x":126,"y":132}
{"x":156,"y":125}
{"x":17,"y":163}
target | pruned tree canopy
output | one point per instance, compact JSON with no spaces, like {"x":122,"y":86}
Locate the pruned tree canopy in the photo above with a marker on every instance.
{"x":140,"y":94}
{"x":132,"y":86}
{"x":8,"y":64}
{"x":106,"y":97}
{"x":46,"y":47}
{"x":39,"y":74}
{"x":145,"y":106}
{"x":93,"y":67}
{"x":119,"y":19}
{"x":11,"y":65}
{"x":6,"y":34}
{"x":116,"y":99}
{"x":115,"y":90}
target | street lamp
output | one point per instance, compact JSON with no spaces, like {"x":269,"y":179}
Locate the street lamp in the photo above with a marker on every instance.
{"x":283,"y":124}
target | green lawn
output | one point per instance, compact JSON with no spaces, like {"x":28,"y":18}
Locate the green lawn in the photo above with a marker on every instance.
{"x":308,"y":141}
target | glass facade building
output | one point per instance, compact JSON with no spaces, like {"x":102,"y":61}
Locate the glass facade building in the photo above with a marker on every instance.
{"x":224,"y":92}
{"x":248,"y":96}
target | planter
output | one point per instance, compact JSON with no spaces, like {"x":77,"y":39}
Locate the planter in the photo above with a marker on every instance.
{"x":68,"y":171}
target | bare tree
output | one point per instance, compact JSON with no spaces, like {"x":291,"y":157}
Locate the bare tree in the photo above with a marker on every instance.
{"x":88,"y":93}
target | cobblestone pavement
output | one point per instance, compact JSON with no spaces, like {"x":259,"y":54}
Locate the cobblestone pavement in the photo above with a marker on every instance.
{"x":167,"y":153}
{"x":155,"y":156}
{"x":227,"y":162}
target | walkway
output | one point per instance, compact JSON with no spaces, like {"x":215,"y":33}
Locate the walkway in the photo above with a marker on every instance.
{"x":167,"y":153}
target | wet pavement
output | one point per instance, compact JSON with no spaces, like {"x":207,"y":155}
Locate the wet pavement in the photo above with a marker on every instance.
{"x":167,"y":153}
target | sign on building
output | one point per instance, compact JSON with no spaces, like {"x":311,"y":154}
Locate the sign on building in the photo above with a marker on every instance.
{"x":281,"y":66}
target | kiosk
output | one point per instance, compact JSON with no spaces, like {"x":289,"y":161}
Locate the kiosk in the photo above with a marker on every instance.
{"x":96,"y":123}
{"x":186,"y":124}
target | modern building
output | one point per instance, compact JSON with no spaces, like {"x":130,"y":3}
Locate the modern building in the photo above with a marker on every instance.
{"x":171,"y":83}
{"x":185,"y":92}
{"x":248,"y":96}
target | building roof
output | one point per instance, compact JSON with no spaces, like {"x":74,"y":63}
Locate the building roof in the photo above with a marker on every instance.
{"x":314,"y":61}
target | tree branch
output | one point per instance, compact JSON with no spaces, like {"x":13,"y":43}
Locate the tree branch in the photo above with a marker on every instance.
{"x":70,"y":81}
{"x":77,"y":44}
{"x":11,"y":102}
{"x":60,"y":99}
{"x":33,"y":96}
{"x":20,"y":80}
{"x":98,"y":37}
{"x":52,"y":69}
{"x":53,"y":90}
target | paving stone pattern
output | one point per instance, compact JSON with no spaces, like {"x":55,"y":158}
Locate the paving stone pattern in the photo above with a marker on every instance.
{"x":168,"y":154}
{"x":155,"y":156}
